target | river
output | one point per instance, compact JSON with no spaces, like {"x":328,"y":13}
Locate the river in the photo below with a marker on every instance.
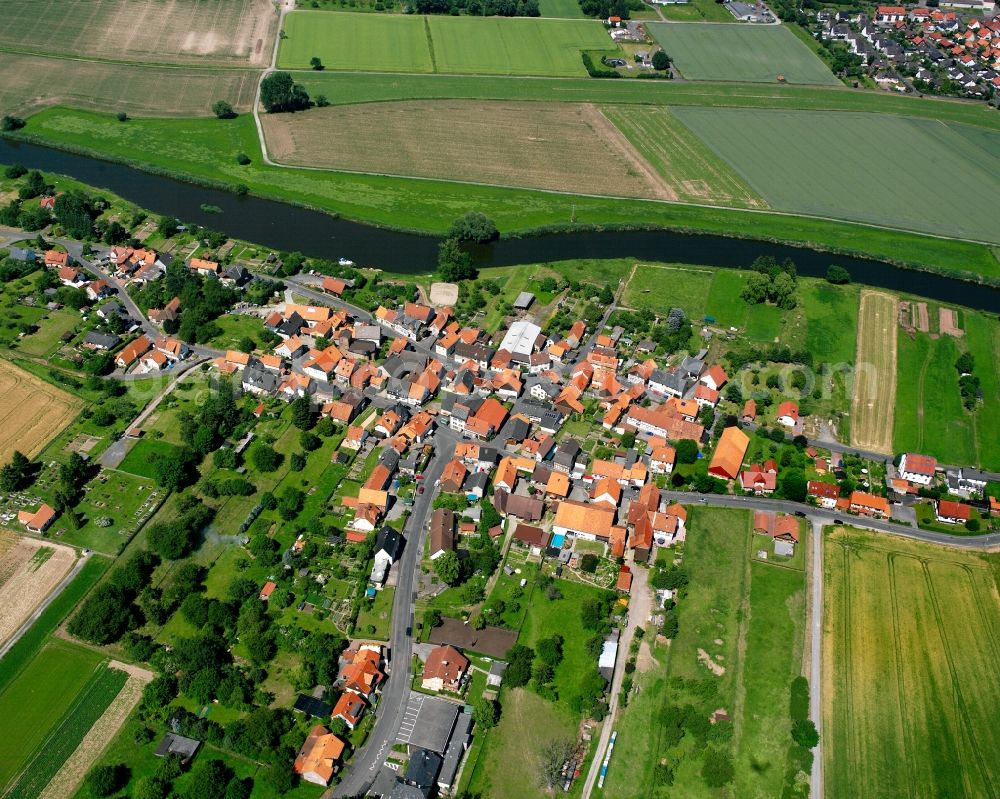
{"x":282,"y":226}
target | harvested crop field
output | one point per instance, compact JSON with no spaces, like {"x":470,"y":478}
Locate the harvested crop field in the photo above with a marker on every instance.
{"x":225,"y":32}
{"x":910,"y":645}
{"x":695,"y":173}
{"x":29,"y":570}
{"x":559,"y":146}
{"x":33,"y":82}
{"x":51,"y":411}
{"x":875,"y":373}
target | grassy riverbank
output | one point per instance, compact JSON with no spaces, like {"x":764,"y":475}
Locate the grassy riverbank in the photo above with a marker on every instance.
{"x":206,"y":149}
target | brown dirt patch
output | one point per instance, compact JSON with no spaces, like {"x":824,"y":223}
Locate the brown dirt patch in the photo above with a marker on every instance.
{"x":67,"y":780}
{"x":29,"y":570}
{"x":645,"y":661}
{"x":710,"y":663}
{"x":51,"y":411}
{"x":492,"y":641}
{"x":558,"y":146}
{"x":948,"y":323}
{"x":874,"y":400}
{"x":921,"y":319}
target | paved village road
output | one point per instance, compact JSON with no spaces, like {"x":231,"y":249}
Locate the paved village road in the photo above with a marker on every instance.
{"x":824,"y":516}
{"x":392,"y":705}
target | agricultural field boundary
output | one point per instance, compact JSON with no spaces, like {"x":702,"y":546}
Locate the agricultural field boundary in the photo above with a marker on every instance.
{"x":20,"y":655}
{"x":873,"y":403}
{"x":63,"y":740}
{"x":67,"y":780}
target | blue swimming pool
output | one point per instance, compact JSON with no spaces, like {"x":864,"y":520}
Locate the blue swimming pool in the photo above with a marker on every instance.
{"x":557,"y":541}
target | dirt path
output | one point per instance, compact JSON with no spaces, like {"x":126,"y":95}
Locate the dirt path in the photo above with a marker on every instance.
{"x":607,"y":131}
{"x":67,"y":780}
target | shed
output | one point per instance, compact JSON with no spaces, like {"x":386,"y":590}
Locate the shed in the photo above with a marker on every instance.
{"x":524,"y":301}
{"x":178,"y":746}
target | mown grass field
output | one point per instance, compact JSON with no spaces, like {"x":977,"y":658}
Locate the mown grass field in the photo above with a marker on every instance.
{"x":47,"y":339}
{"x":911,"y":639}
{"x":139,"y":460}
{"x":507,"y":765}
{"x":753,"y":53}
{"x":570,"y":147}
{"x":235,"y":32}
{"x":23,"y":652}
{"x":343,"y":89}
{"x":459,"y":45}
{"x":874,"y":400}
{"x":37,"y":699}
{"x":757,"y":611}
{"x":930,"y":417}
{"x":693,"y":171}
{"x":776,"y":152}
{"x":206,"y":149}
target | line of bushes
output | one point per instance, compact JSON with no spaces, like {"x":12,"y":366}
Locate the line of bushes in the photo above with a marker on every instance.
{"x":598,"y":72}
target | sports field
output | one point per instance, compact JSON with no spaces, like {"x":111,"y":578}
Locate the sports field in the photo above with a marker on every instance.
{"x":558,"y":146}
{"x":52,"y":410}
{"x":32,"y":82}
{"x":910,"y":644}
{"x":753,"y":53}
{"x":229,"y":32}
{"x":35,"y":701}
{"x":472,"y":45}
{"x":874,"y":400}
{"x":859,"y":166}
{"x":695,"y":173}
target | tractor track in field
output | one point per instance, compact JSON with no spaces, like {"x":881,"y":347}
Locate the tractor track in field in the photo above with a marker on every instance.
{"x":960,"y":701}
{"x":904,"y":730}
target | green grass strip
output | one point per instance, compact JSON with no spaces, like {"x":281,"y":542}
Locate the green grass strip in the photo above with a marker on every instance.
{"x":64,"y":738}
{"x":24,"y":650}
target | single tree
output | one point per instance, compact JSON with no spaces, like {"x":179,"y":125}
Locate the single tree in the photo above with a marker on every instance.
{"x":473,"y":226}
{"x":837,"y":274}
{"x":661,"y":61}
{"x":315,"y":63}
{"x":223,"y":110}
{"x":448,"y":568}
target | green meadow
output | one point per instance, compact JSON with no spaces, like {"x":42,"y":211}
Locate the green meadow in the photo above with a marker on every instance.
{"x":752,"y":53}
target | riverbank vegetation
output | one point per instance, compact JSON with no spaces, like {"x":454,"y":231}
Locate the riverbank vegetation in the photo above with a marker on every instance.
{"x":204,"y":150}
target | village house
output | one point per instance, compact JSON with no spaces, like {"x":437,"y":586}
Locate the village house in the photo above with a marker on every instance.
{"x":826,"y":493}
{"x":918,"y":469}
{"x":133,"y":351}
{"x":349,"y":708}
{"x":870,"y":505}
{"x":788,"y":414}
{"x":585,"y":520}
{"x":951,"y":512}
{"x":783,"y":529}
{"x":442,"y":538}
{"x":444,"y":669}
{"x":317,"y":759}
{"x":729,"y":453}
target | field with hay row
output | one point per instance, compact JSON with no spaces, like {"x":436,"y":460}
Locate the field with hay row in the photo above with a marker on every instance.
{"x":911,"y":639}
{"x":696,"y":174}
{"x":29,"y":570}
{"x":874,"y":399}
